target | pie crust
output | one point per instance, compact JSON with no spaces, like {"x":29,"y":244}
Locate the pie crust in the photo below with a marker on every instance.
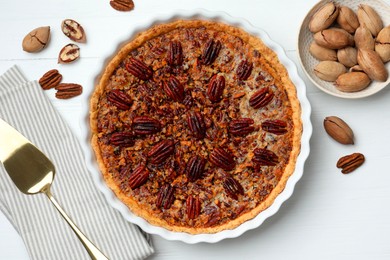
{"x":223,"y":205}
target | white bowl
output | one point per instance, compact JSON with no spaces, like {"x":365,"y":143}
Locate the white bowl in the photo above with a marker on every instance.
{"x":259,"y":219}
{"x":308,"y":62}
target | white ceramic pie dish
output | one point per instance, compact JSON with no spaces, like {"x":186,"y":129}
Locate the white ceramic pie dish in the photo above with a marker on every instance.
{"x":284,"y":195}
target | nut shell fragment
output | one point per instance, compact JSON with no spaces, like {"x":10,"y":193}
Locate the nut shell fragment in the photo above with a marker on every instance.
{"x":73,"y":30}
{"x":372,"y":64}
{"x":382,"y":44}
{"x":324,"y":17}
{"x":69,"y":53}
{"x":352,"y":82}
{"x":356,"y":68}
{"x":37,"y":39}
{"x":338,"y":130}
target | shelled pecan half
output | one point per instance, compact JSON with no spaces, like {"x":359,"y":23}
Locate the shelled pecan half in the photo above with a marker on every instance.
{"x":122,"y":5}
{"x":138,"y":177}
{"x":211,"y":51}
{"x":265,"y":157}
{"x":192,"y":206}
{"x":174,"y":89}
{"x":195,"y":168}
{"x":120,"y":99}
{"x":196,"y":124}
{"x":50,"y":79}
{"x":277,"y":127}
{"x":175,"y":54}
{"x":215,"y":88}
{"x":68,"y":90}
{"x":233,"y":188}
{"x":261,"y":98}
{"x":144,"y":125}
{"x":223,"y":159}
{"x":241,"y":126}
{"x":165,"y":197}
{"x":350,"y":162}
{"x":139,"y":69}
{"x":161,"y":151}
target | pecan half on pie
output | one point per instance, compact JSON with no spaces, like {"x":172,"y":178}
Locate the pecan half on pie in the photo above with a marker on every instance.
{"x":196,"y":126}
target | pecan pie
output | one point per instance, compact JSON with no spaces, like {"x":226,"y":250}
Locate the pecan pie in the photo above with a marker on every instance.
{"x":196,"y":126}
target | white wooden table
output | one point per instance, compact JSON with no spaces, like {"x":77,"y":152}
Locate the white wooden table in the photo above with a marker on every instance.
{"x":330,"y":215}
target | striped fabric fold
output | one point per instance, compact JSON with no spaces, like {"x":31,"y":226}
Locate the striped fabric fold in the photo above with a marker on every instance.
{"x":45,"y":234}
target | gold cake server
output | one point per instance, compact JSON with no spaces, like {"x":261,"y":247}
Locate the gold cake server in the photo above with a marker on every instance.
{"x":32,"y":172}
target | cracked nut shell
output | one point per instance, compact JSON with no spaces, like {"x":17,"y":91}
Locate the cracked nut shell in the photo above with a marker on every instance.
{"x":347,"y":19}
{"x":73,"y":30}
{"x":334,"y":38}
{"x":37,"y":39}
{"x":69,"y":53}
{"x":324,"y":17}
{"x":372,"y":64}
{"x":382,"y":44}
{"x":370,"y":18}
{"x":338,"y":130}
{"x":329,"y":70}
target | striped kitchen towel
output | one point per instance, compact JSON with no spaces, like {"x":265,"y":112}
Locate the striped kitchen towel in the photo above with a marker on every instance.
{"x":45,"y":234}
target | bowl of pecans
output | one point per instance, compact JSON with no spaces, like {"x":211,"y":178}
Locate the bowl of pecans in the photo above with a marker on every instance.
{"x":344,"y":47}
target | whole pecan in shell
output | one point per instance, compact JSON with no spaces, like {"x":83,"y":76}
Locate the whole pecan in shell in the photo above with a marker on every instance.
{"x":211,"y":51}
{"x":123,"y":139}
{"x":215,"y":88}
{"x":50,"y":79}
{"x":244,"y":70}
{"x":277,"y":127}
{"x":120,"y":99}
{"x":174,"y":89}
{"x":161,"y":151}
{"x":139,"y":69}
{"x":265,"y":157}
{"x":233,"y":188}
{"x":175,"y":54}
{"x":138,"y":177}
{"x":261,"y":98}
{"x":165,"y":197}
{"x":195,"y":168}
{"x":350,"y":162}
{"x":196,"y":124}
{"x":241,"y":126}
{"x":192,"y":207}
{"x":223,"y":159}
{"x":144,"y":125}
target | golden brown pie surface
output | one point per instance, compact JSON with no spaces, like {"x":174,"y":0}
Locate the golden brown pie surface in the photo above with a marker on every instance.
{"x":196,"y":126}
